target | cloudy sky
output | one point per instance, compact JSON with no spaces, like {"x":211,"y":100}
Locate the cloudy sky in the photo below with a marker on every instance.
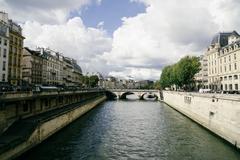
{"x":124,"y":38}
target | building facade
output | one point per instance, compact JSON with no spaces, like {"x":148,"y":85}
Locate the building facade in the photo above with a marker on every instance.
{"x":4,"y":47}
{"x":223,"y":57}
{"x":72,"y":72}
{"x":32,"y":63}
{"x":59,"y":70}
{"x":15,"y":53}
{"x":52,"y":67}
{"x":201,"y":77}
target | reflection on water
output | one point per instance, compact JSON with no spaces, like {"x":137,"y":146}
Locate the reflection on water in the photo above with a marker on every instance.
{"x":133,"y":130}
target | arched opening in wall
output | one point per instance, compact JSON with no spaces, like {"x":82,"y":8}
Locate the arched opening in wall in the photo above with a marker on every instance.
{"x":110,"y":95}
{"x":149,"y":96}
{"x":129,"y":96}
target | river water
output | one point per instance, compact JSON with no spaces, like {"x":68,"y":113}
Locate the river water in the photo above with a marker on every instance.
{"x":133,"y":130}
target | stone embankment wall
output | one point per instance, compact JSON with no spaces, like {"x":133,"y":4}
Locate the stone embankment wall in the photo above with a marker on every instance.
{"x":50,"y":126}
{"x":216,"y":112}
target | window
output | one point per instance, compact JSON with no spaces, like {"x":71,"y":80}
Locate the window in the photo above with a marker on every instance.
{"x":229,"y":58}
{"x":235,"y":56}
{"x":3,"y":77}
{"x":225,"y":59}
{"x":4,"y":66}
{"x":230,"y":86}
{"x":226,"y":87}
{"x":235,"y":77}
{"x":230,"y":77}
{"x":229,"y":67}
{"x":5,"y":42}
{"x":235,"y":66}
{"x":16,"y":40}
{"x":236,"y":86}
{"x":225,"y":68}
{"x":0,"y":40}
{"x":5,"y":53}
{"x":225,"y":78}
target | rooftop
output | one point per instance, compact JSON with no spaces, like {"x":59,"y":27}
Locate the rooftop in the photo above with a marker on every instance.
{"x":221,"y":38}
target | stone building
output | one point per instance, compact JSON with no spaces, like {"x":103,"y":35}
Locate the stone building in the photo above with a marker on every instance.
{"x":223,"y":57}
{"x":77,"y":73}
{"x":32,"y":63}
{"x":201,"y":77}
{"x":15,"y":53}
{"x":4,"y":44}
{"x":72,"y":72}
{"x":67,"y":71}
{"x":52,"y":67}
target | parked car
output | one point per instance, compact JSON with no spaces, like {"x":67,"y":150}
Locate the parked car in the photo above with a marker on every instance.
{"x":204,"y":90}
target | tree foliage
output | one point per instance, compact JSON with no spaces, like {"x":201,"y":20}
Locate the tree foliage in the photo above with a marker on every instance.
{"x":90,"y":81}
{"x":180,"y":74}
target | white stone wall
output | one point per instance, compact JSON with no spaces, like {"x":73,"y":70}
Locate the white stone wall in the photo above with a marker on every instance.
{"x":218,"y":113}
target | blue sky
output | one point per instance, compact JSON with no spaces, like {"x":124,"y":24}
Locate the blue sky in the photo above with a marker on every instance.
{"x":109,"y":11}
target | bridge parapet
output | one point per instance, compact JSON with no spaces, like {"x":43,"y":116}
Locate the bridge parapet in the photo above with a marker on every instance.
{"x":13,"y":96}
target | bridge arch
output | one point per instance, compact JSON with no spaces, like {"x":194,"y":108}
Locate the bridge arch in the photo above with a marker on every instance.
{"x":122,"y":93}
{"x":125,"y":94}
{"x":150,"y":94}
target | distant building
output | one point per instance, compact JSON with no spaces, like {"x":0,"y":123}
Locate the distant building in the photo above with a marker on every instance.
{"x":201,"y":77}
{"x":145,"y":83}
{"x":52,"y":67}
{"x":15,"y":53}
{"x":72,"y":72}
{"x":60,"y":70}
{"x":223,"y":57}
{"x":77,"y":73}
{"x":47,"y":67}
{"x":32,"y":64}
{"x":4,"y":47}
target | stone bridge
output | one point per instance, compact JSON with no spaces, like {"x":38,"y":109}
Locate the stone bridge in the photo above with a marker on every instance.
{"x":122,"y":93}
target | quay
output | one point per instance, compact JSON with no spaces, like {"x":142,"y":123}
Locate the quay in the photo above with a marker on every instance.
{"x":29,"y":118}
{"x":218,"y":113}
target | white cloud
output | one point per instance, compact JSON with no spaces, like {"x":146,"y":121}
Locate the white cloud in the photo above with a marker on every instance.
{"x":168,"y":31}
{"x":43,"y":11}
{"x":71,"y":38}
{"x":137,"y":73}
{"x":140,"y":47}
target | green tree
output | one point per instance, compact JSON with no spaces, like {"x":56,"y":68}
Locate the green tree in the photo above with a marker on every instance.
{"x":180,"y":74}
{"x":187,"y":68}
{"x":157,"y":85}
{"x":93,"y":80}
{"x":165,"y":80}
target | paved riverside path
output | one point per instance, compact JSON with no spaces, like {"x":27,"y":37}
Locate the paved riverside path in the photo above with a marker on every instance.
{"x":21,"y":130}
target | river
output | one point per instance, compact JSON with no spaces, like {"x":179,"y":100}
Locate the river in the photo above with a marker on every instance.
{"x":133,"y":130}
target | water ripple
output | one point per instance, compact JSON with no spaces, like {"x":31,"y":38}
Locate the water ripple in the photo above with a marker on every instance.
{"x":133,"y":130}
